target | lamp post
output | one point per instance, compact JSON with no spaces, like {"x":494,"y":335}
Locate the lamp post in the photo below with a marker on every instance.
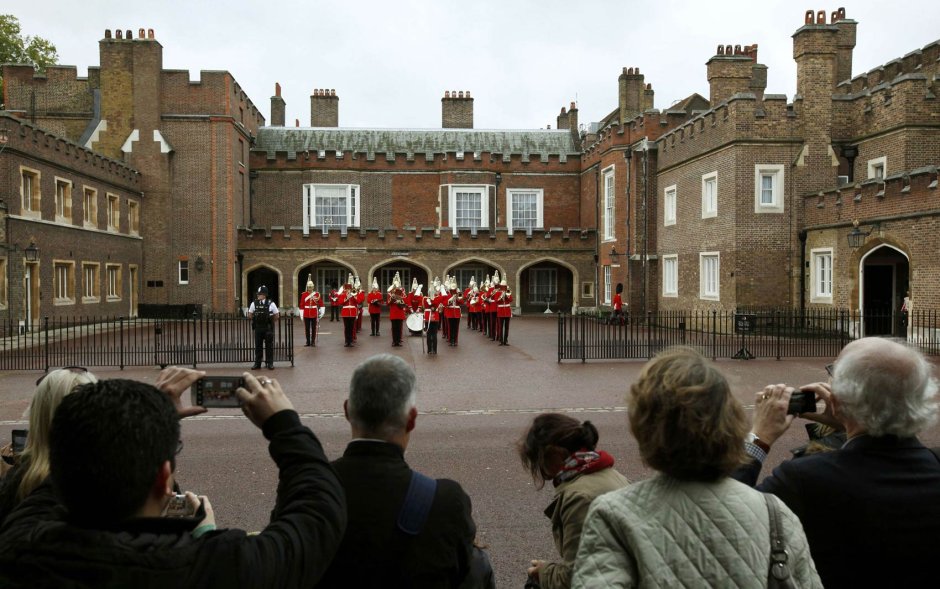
{"x":32,"y":252}
{"x":614,"y":255}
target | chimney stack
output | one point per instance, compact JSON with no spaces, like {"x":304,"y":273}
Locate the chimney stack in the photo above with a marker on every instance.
{"x":733,"y":70}
{"x":562,"y":120}
{"x":324,"y":108}
{"x":631,"y":94}
{"x":456,"y":110}
{"x":278,"y":106}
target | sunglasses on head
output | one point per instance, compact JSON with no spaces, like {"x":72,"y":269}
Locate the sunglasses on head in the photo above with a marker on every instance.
{"x":75,"y":369}
{"x":830,"y":368}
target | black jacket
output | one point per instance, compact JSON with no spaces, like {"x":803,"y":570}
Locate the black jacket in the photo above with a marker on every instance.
{"x":40,"y":548}
{"x":871,"y":510}
{"x":374,"y":553}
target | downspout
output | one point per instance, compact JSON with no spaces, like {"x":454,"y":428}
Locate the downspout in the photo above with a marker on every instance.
{"x":803,"y":236}
{"x":597,"y":237}
{"x":646,"y":219}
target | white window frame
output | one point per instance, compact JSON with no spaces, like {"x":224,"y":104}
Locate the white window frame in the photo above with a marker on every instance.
{"x":821,"y":275}
{"x":709,"y":203}
{"x":115,"y":282}
{"x":775,"y":172}
{"x":669,"y":206}
{"x":671,"y":276}
{"x":511,"y":193}
{"x":63,"y":282}
{"x":30,"y":205}
{"x":353,"y":206}
{"x":89,"y":207}
{"x":875,"y":164}
{"x":609,"y":187}
{"x":607,"y":285}
{"x":182,"y":271}
{"x":91,"y":282}
{"x":4,"y":286}
{"x":482,"y":189}
{"x":63,"y":200}
{"x":133,"y":217}
{"x":114,"y":212}
{"x":709,"y":290}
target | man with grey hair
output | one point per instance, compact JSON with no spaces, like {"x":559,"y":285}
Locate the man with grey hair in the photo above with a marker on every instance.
{"x":871,"y":509}
{"x":404,"y":529}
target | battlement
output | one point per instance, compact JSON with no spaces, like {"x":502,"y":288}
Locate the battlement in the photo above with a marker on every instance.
{"x":925,"y":61}
{"x":421,"y":237}
{"x":207,"y":95}
{"x":34,"y":141}
{"x":896,"y":196}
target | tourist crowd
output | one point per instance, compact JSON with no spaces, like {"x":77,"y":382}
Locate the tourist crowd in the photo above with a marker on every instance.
{"x":92,"y":500}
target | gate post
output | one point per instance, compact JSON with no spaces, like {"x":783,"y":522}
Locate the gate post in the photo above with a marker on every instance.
{"x":121,"y":353}
{"x":45,"y":321}
{"x":194,"y":339}
{"x":714,"y":335}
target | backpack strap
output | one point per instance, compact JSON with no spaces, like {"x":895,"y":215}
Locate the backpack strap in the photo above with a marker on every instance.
{"x":417,"y":505}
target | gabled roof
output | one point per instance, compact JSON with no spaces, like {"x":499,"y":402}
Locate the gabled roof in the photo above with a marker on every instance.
{"x":536,"y":142}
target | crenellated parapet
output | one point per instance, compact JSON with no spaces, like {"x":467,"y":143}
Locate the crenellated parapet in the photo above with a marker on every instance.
{"x":741,"y":118}
{"x":899,"y":195}
{"x":32,"y":141}
{"x":215,"y":92}
{"x":417,"y":237}
{"x":925,"y":61}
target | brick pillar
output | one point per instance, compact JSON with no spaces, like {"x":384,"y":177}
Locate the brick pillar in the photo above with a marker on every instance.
{"x":324,"y":108}
{"x":456,"y":110}
{"x":648,"y":95}
{"x":278,"y":107}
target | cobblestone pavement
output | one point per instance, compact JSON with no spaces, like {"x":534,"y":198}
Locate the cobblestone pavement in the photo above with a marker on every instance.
{"x":475,"y":401}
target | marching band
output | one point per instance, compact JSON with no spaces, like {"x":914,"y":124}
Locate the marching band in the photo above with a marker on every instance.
{"x":488,"y":306}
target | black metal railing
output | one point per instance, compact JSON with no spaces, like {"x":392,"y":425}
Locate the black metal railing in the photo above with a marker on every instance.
{"x":742,"y":333}
{"x":121,"y":341}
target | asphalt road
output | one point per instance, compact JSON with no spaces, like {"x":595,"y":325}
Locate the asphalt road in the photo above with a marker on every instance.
{"x":475,"y":402}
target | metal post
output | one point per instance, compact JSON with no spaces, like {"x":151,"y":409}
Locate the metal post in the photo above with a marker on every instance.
{"x":121,"y":327}
{"x":46,"y":340}
{"x":714,"y":335}
{"x":194,"y":339}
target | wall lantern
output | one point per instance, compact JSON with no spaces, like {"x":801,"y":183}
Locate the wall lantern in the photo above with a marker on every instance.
{"x":856,"y":237}
{"x":200,"y":264}
{"x":614,"y":255}
{"x":32,"y":252}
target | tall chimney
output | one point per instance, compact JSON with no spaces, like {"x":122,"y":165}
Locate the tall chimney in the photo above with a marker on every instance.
{"x":324,"y":108}
{"x":278,"y":107}
{"x":573,"y":124}
{"x":562,"y":120}
{"x":845,"y":44}
{"x":731,"y":71}
{"x":631,"y":94}
{"x":457,"y":110}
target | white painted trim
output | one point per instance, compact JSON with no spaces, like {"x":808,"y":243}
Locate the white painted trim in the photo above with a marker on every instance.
{"x":128,"y":143}
{"x":667,"y":220}
{"x":777,"y":172}
{"x":539,"y":205}
{"x":707,"y":214}
{"x":814,"y":295}
{"x":701,"y":276}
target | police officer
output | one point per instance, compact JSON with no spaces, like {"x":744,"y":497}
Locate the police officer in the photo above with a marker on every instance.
{"x":263,"y":313}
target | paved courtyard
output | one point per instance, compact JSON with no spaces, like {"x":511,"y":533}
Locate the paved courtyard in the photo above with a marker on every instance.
{"x":475,"y":401}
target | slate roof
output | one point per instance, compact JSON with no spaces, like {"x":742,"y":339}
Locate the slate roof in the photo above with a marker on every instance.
{"x":472,"y":142}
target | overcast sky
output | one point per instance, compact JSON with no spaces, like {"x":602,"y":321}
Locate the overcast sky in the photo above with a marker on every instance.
{"x":390,"y":61}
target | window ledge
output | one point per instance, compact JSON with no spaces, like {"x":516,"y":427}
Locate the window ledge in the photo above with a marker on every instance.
{"x":86,"y":300}
{"x":113,"y":299}
{"x":709,"y":297}
{"x":61,"y":302}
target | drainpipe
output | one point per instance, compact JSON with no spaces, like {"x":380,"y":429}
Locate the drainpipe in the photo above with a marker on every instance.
{"x":803,"y":236}
{"x":597,"y":237}
{"x":646,"y":218}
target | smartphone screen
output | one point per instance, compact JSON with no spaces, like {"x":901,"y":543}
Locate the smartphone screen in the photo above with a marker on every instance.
{"x":217,"y":391}
{"x":19,"y":440}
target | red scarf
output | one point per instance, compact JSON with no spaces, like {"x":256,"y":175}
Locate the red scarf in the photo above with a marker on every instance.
{"x":583,"y":462}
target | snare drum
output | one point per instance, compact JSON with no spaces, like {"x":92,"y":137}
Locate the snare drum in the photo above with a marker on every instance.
{"x":415,"y":323}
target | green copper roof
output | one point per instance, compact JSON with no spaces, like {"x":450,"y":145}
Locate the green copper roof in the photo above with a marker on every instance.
{"x":470,"y":143}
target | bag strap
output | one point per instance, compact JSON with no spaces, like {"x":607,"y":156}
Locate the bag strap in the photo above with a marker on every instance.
{"x":417,"y":505}
{"x":936,"y":453}
{"x":779,"y":567}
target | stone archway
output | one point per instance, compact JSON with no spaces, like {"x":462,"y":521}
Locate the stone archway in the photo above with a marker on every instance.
{"x":884,"y":278}
{"x":325,"y":272}
{"x":547,"y":283}
{"x":264,"y":276}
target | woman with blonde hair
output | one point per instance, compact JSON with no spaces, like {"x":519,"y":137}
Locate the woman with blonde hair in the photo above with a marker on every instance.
{"x":32,"y":466}
{"x":691,"y":525}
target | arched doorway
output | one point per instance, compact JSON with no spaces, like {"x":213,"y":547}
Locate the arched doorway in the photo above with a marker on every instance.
{"x":325,"y":274}
{"x":545,"y":285}
{"x":407,"y":271}
{"x":476,"y":269}
{"x":264,"y":276}
{"x":884,"y":277}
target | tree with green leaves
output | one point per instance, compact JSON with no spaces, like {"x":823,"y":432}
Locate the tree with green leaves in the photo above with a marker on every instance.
{"x":23,"y":49}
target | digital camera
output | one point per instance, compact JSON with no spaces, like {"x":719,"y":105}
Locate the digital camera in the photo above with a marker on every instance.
{"x":217,"y":391}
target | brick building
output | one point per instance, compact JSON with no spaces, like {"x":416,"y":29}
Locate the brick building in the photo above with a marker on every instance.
{"x":757,"y":196}
{"x":743,"y":199}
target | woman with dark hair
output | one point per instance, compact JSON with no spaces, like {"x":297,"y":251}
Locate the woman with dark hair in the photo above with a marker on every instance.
{"x":691,"y":525}
{"x":563,"y":450}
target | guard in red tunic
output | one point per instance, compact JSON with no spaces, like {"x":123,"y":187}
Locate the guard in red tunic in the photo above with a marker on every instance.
{"x":467,"y":295}
{"x":397,"y":309}
{"x":475,"y":308}
{"x":348,"y":311}
{"x":433,"y":306}
{"x":310,"y":303}
{"x":492,"y":301}
{"x":504,"y":313}
{"x":452,"y":312}
{"x":374,"y":299}
{"x":335,"y":305}
{"x":360,"y":301}
{"x":617,"y":304}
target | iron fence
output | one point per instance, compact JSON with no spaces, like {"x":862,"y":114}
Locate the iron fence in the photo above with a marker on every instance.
{"x":121,"y":341}
{"x":742,"y":333}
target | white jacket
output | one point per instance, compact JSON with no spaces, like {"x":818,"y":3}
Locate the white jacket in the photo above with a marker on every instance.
{"x":668,"y":533}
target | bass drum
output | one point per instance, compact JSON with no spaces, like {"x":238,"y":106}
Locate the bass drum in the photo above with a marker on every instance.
{"x":415,"y":323}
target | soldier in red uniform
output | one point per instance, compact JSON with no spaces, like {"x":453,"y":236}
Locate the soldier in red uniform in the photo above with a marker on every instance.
{"x":335,"y":305}
{"x":374,"y":299}
{"x":504,"y":313}
{"x":467,"y":295}
{"x":452,"y":312}
{"x":360,"y":301}
{"x":397,"y":309}
{"x":310,"y":303}
{"x":434,"y":304}
{"x":349,"y":310}
{"x":492,"y":300}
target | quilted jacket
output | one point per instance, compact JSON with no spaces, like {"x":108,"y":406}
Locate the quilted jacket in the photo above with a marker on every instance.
{"x":668,"y":533}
